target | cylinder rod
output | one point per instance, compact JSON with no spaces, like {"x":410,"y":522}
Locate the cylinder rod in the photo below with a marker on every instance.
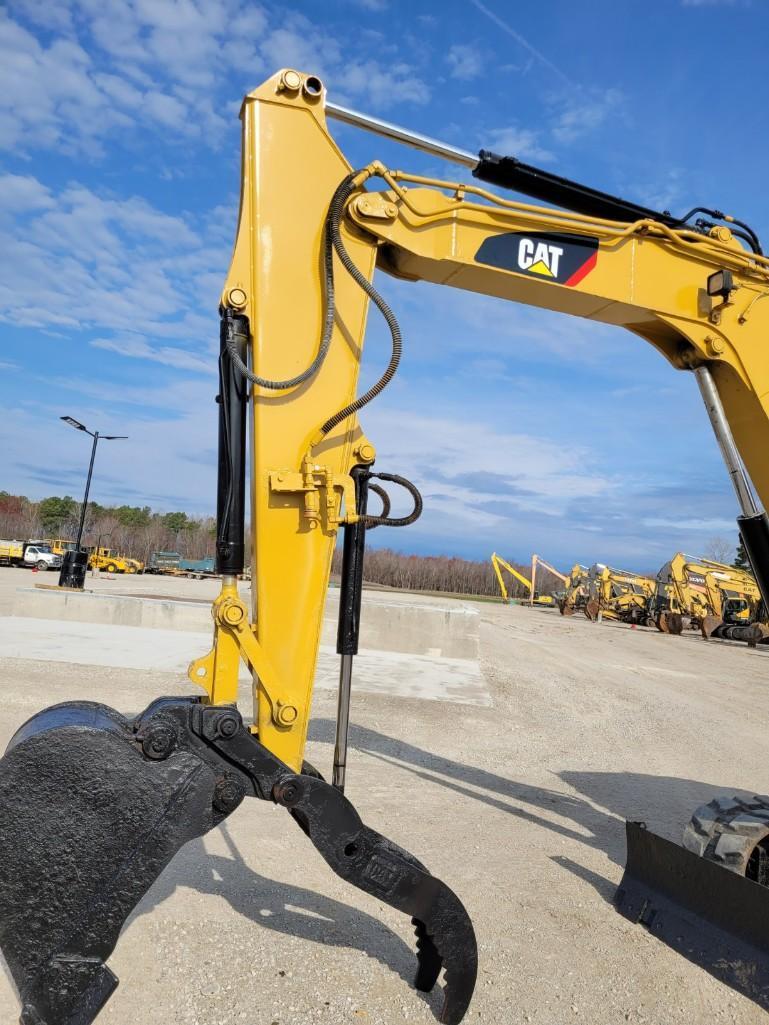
{"x":342,"y":722}
{"x":725,"y":440}
{"x":350,"y":595}
{"x":398,"y":134}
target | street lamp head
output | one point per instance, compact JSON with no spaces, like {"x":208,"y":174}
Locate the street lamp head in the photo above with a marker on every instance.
{"x":114,"y":437}
{"x":74,"y":423}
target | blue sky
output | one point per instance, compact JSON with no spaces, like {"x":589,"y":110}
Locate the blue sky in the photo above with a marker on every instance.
{"x":525,"y":430}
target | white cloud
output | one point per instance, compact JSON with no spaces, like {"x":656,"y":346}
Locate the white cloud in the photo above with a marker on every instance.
{"x":663,"y":194}
{"x":87,"y":261}
{"x":21,"y":193}
{"x":381,"y":85}
{"x":168,"y":461}
{"x":583,"y":112}
{"x":465,"y":61}
{"x":508,"y":29}
{"x":512,"y":141}
{"x":166,"y":66}
{"x":140,"y":348}
{"x":466,"y":468}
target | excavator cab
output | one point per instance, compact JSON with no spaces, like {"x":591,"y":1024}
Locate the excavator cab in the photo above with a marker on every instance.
{"x":95,"y":803}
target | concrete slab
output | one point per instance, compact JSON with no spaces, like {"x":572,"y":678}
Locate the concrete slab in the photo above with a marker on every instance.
{"x":428,"y":677}
{"x":160,"y":613}
{"x":418,"y":625}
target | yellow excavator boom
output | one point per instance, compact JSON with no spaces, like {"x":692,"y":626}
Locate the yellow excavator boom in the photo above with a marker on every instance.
{"x":535,"y":598}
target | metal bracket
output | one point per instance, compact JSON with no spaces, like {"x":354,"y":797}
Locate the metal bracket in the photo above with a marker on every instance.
{"x":373,"y":205}
{"x":217,"y":672}
{"x":310,"y":481}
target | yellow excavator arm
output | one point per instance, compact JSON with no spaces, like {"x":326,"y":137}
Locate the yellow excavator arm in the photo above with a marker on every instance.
{"x":695,"y":296}
{"x":499,"y":564}
{"x":126,"y":794}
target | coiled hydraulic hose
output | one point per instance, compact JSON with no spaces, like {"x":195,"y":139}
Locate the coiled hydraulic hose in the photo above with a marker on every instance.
{"x":385,"y":499}
{"x":385,"y":520}
{"x":332,"y":242}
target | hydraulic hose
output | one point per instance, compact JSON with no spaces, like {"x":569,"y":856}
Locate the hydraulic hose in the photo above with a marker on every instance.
{"x":385,"y":499}
{"x":386,"y":520}
{"x":332,"y":242}
{"x":336,"y":209}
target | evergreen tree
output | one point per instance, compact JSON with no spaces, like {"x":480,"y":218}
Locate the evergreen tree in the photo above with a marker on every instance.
{"x":741,"y":560}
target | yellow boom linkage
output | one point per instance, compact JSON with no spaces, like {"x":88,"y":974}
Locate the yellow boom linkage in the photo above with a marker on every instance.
{"x":644,"y":276}
{"x":108,"y":800}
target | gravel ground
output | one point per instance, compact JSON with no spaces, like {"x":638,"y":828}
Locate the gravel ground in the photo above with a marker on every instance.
{"x":519,"y":807}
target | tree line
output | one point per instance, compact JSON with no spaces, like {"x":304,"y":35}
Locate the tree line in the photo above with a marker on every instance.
{"x":137,"y":531}
{"x":446,"y":573}
{"x":130,"y":530}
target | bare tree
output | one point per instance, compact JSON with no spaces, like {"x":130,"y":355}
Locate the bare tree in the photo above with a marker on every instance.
{"x":719,"y":549}
{"x":441,"y":573}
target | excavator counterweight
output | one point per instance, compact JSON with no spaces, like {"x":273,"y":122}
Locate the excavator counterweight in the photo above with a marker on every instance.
{"x":94,"y":804}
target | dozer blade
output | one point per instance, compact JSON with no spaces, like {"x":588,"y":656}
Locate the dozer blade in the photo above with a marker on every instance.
{"x":93,"y":806}
{"x":715,"y":918}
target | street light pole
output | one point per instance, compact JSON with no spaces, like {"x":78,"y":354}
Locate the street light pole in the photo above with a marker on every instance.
{"x":75,"y":564}
{"x":87,"y":489}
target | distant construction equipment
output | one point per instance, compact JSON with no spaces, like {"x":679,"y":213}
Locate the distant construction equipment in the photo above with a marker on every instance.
{"x":618,"y":594}
{"x":688,"y":593}
{"x":700,"y":593}
{"x":575,"y":596}
{"x":534,"y":596}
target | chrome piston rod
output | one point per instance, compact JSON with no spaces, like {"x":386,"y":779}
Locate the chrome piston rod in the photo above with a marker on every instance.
{"x":342,"y":722}
{"x":722,"y":431}
{"x":390,"y":131}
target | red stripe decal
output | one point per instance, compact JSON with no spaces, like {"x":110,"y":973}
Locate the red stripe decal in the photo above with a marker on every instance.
{"x":583,"y":271}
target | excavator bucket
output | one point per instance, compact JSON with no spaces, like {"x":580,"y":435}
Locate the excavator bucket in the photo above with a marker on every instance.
{"x":670,"y":622}
{"x":716,"y":918}
{"x":591,"y":610}
{"x":93,"y":806}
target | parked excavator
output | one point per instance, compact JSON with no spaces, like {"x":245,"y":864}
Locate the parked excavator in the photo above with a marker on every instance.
{"x":94,"y":804}
{"x":698,"y":593}
{"x":617,"y":594}
{"x":575,"y":594}
{"x":536,"y":562}
{"x":533,"y":596}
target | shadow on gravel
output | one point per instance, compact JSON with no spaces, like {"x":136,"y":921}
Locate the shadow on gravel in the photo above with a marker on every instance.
{"x":290,"y":910}
{"x":609,"y":798}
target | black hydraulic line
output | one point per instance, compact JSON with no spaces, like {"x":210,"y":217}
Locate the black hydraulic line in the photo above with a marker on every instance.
{"x":511,"y":173}
{"x":752,"y":238}
{"x":342,"y":194}
{"x":231,"y":489}
{"x":384,"y":519}
{"x":375,"y":521}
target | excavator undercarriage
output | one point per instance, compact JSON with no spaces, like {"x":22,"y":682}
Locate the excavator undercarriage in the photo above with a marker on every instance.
{"x":94,"y":804}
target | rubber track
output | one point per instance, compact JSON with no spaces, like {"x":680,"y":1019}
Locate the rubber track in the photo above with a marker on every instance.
{"x":727,"y":829}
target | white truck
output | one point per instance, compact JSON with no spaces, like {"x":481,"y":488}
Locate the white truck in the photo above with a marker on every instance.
{"x":36,"y":554}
